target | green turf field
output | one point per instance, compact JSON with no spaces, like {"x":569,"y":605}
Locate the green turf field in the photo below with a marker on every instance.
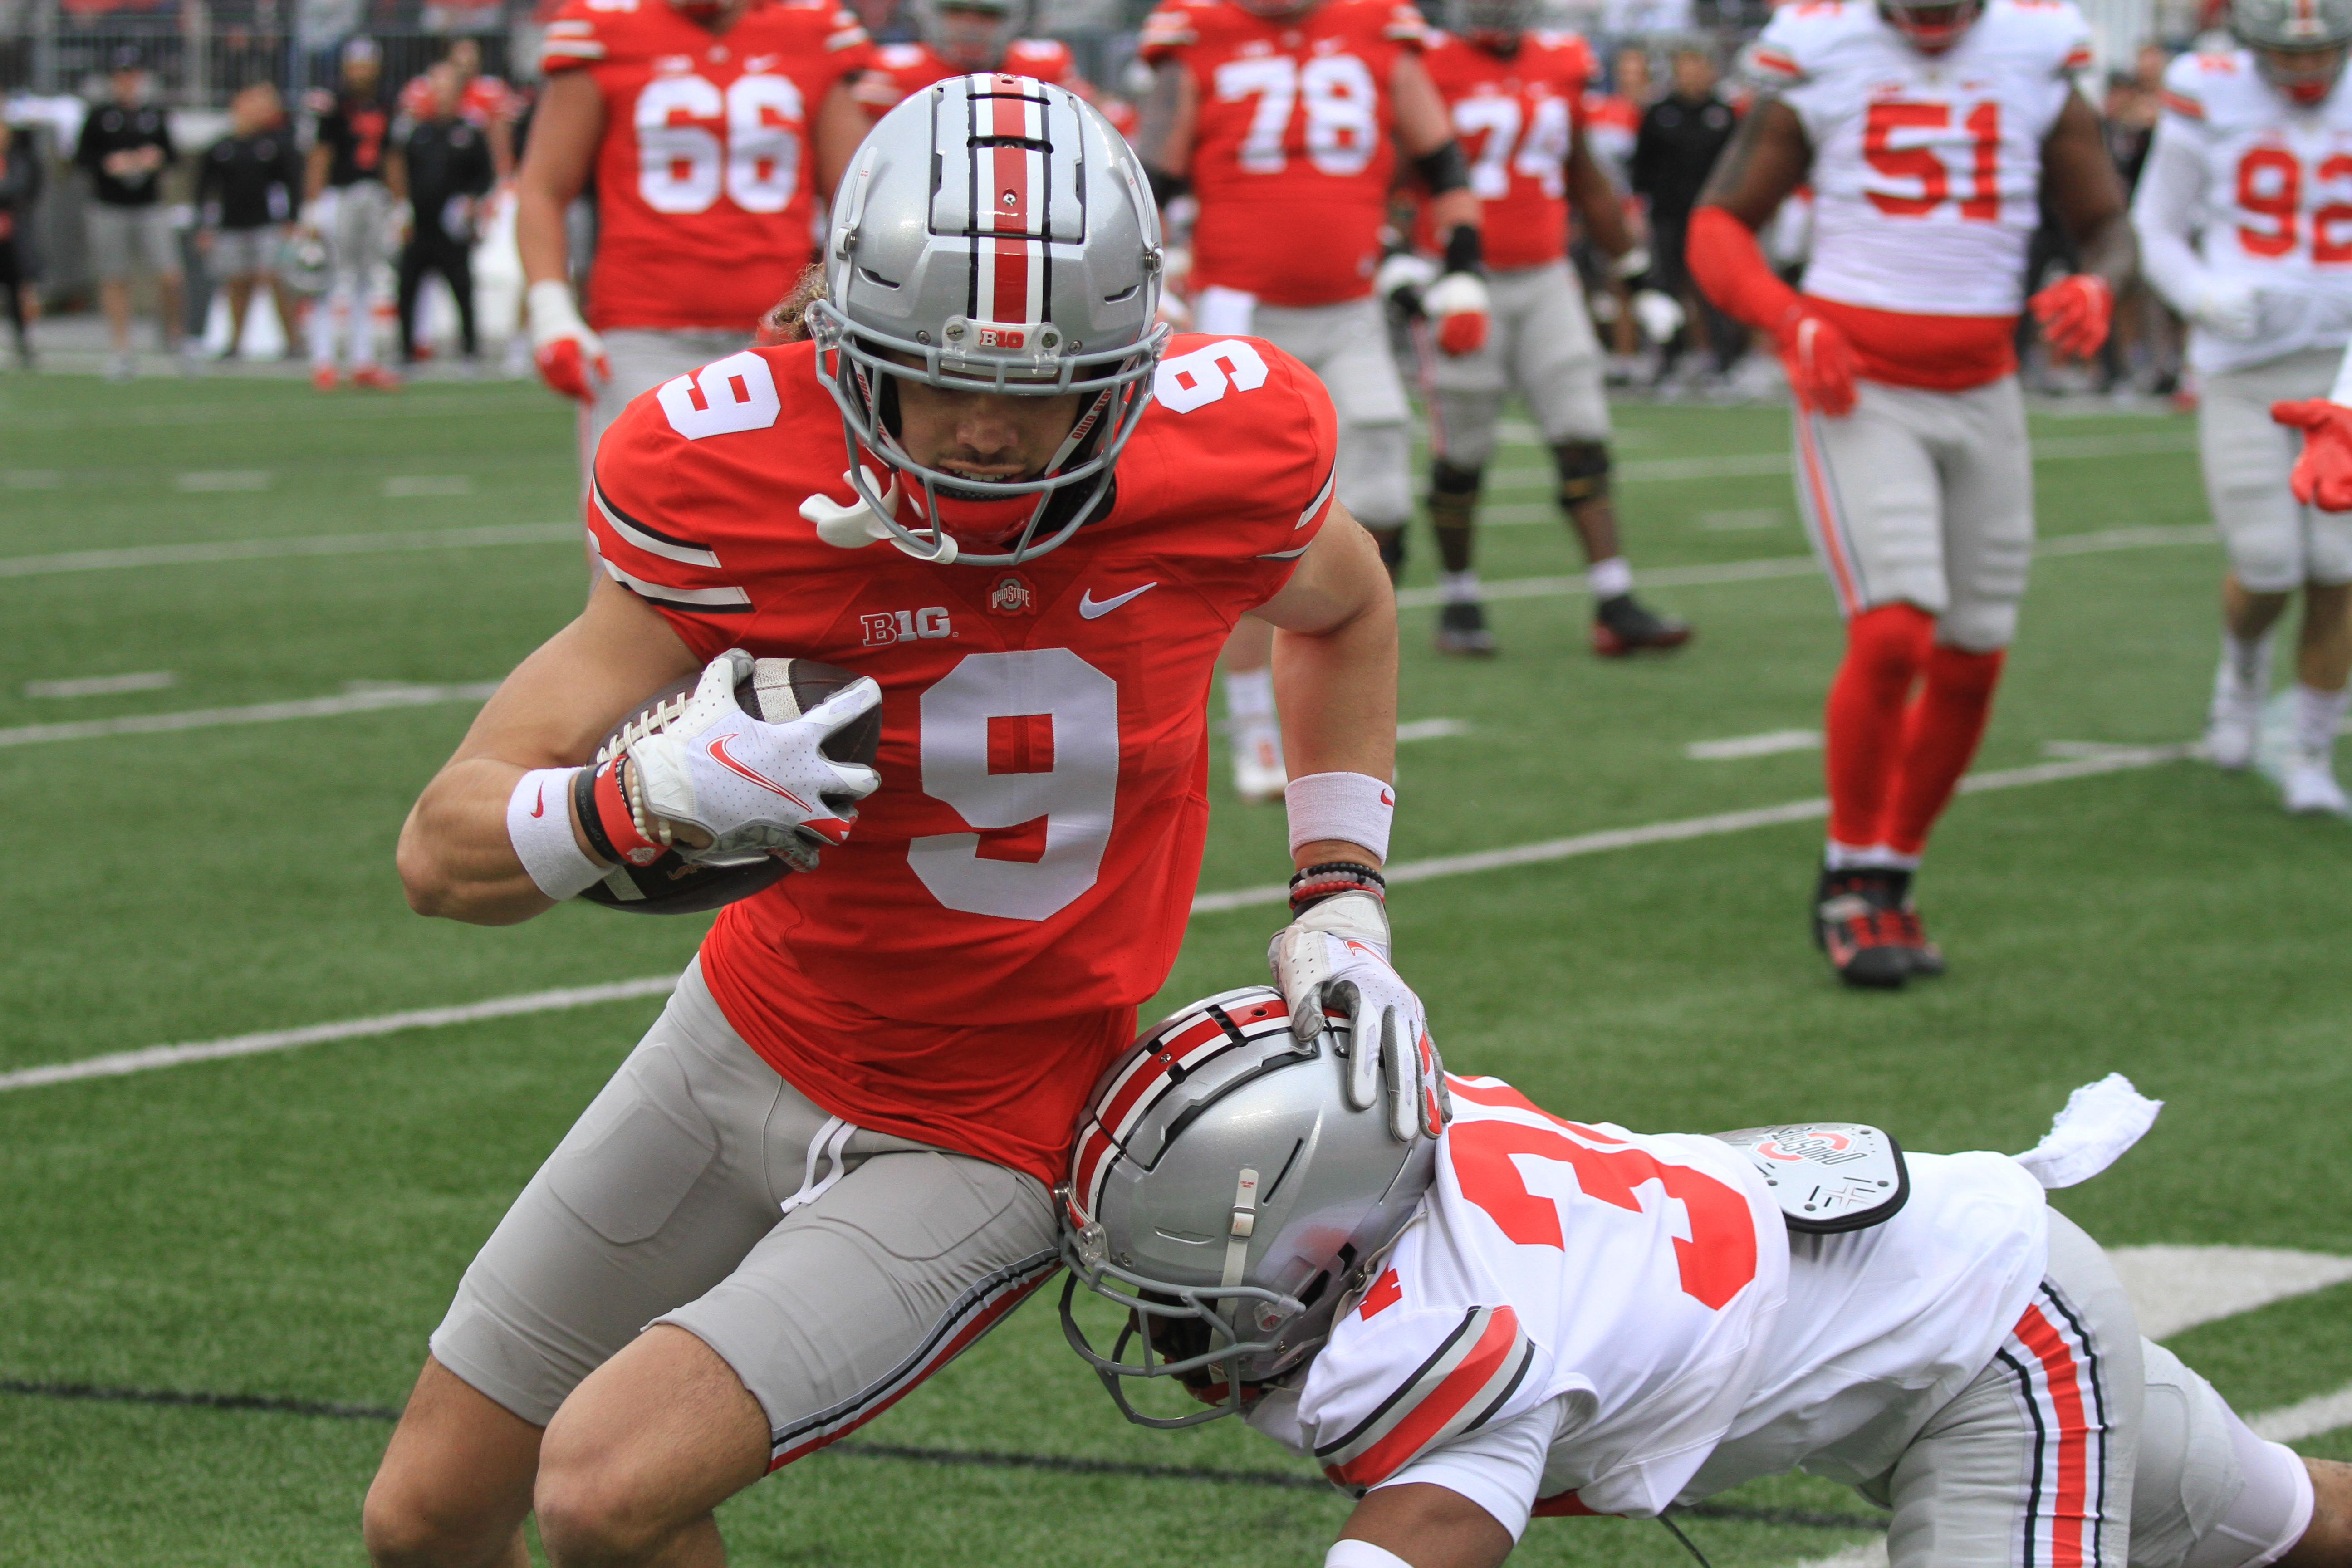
{"x":284,"y":1227}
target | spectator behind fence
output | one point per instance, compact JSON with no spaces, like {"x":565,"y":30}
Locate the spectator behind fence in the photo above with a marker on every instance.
{"x":1682,"y":134}
{"x":247,"y":189}
{"x":348,"y":202}
{"x":447,"y":163}
{"x":20,"y":188}
{"x":484,"y":101}
{"x":126,"y":145}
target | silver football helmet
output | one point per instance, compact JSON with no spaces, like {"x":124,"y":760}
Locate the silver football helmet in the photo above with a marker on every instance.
{"x":970,"y":33}
{"x":994,"y":234}
{"x":2299,"y":45}
{"x":1509,"y":18}
{"x":1227,"y":1196}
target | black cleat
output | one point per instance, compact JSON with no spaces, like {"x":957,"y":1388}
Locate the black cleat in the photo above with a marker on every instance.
{"x":1462,"y":628}
{"x":1623,"y":625}
{"x":1927,"y":958}
{"x":1859,"y":921}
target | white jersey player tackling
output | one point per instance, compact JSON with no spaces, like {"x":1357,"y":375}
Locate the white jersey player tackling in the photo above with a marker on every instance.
{"x":1498,"y":1312}
{"x":1931,"y":134}
{"x":2255,"y":154}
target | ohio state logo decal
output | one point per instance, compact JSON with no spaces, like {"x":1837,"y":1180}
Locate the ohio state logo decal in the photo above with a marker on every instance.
{"x":1011,"y":595}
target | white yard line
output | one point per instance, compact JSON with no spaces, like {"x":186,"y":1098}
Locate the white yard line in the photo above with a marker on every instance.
{"x":118,"y":1063}
{"x":230,"y":480}
{"x":1430,"y":730}
{"x":313,"y":545}
{"x":1770,"y":744}
{"x":361,"y":702}
{"x":1422,"y":871}
{"x":2308,"y":1418}
{"x":102,"y":685}
{"x":2177,"y":1288}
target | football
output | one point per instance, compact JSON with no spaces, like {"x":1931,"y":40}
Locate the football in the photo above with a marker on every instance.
{"x":776,"y":691}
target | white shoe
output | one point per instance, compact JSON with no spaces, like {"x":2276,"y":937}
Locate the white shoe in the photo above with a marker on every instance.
{"x":2311,"y":787}
{"x":2233,"y":725}
{"x":1258,"y":771}
{"x":121,"y":366}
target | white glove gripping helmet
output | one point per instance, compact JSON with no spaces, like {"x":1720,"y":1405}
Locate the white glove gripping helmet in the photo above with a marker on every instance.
{"x":1227,"y":1196}
{"x":994,"y":234}
{"x":965,"y":38}
{"x":2299,"y":45}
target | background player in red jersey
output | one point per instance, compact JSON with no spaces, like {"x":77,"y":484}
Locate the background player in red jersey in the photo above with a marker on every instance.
{"x":971,"y":36}
{"x":1284,"y":120}
{"x":484,"y":101}
{"x":710,"y":130}
{"x":1513,"y":94}
{"x":1034,"y":562}
{"x":1931,"y":134}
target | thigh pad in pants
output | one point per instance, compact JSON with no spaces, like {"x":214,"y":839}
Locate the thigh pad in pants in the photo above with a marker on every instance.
{"x":663,"y":1203}
{"x":1347,"y":346}
{"x":643,"y":358}
{"x":2275,"y":543}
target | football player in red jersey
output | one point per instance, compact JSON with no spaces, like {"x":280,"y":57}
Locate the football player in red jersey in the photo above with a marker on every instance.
{"x":826,"y":1171}
{"x":1930,"y":134}
{"x":969,"y":35}
{"x":1284,"y":119}
{"x":484,"y":102}
{"x":1513,"y":95}
{"x":710,"y":128}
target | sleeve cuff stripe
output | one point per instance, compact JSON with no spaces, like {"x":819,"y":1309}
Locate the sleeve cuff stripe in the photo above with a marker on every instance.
{"x":651,"y":539}
{"x":1322,"y":498}
{"x":2186,"y":108}
{"x":571,"y":48}
{"x":708,"y":601}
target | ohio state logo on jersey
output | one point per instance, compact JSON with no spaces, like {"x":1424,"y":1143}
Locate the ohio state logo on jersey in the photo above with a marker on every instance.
{"x":1011,"y":596}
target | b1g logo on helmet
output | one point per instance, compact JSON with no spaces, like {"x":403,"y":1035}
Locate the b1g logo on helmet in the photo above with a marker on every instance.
{"x":1001,"y":337}
{"x":1011,"y":596}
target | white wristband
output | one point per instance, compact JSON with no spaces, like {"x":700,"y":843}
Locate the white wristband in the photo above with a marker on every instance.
{"x":1353,"y":1554}
{"x":538,"y":824}
{"x":1351,"y":807}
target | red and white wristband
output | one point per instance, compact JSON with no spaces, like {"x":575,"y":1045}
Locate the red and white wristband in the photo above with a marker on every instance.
{"x":1353,"y":809}
{"x":539,"y":825}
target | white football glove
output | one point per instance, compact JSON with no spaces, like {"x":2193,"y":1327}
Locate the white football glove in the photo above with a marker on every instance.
{"x":1458,"y":308}
{"x":1402,"y":277}
{"x":1658,"y":313}
{"x":570,"y":356}
{"x":754,"y":788}
{"x":1333,"y":961}
{"x":2228,"y":308}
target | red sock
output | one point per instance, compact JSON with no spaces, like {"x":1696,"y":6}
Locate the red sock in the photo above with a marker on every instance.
{"x":1940,"y":732}
{"x":1885,"y":648}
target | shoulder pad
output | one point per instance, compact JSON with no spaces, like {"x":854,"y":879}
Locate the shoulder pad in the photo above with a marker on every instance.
{"x":570,"y":40}
{"x":1406,"y":24}
{"x":1170,"y":27}
{"x":1828,"y":1176}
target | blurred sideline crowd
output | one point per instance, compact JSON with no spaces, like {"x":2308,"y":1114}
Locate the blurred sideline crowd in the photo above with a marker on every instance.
{"x":117,"y":195}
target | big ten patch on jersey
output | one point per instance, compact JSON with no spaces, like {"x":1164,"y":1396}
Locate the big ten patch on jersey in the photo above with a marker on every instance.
{"x":704,"y":172}
{"x":1043,"y":727}
{"x":1555,"y":1256}
{"x":1292,"y":158}
{"x":1926,"y":168}
{"x":2278,"y":178}
{"x":1513,"y":116}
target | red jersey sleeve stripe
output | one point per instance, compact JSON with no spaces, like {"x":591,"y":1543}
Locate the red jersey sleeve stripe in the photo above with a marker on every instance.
{"x":1776,"y":62}
{"x":1440,"y":1401}
{"x":2178,"y":103}
{"x":646,"y":537}
{"x":1322,"y":501}
{"x":701,"y":601}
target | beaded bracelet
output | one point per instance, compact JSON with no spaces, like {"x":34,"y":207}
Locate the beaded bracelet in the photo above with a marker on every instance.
{"x":1327,"y":878}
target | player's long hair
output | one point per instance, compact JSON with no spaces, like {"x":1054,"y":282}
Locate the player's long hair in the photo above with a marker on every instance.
{"x":787,"y":321}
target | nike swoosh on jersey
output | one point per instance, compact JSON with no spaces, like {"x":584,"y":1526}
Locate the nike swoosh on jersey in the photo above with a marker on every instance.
{"x":1095,"y":609}
{"x":718,"y":752}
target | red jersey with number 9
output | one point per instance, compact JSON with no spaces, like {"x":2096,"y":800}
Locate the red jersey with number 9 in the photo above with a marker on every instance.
{"x":704,"y":209}
{"x":1513,"y":116}
{"x":1292,"y":157}
{"x":962,"y":969}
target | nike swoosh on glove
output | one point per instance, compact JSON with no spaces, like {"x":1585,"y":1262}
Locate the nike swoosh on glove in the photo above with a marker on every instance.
{"x":1332,"y":962}
{"x":2322,"y":472}
{"x":1819,"y":362}
{"x":2073,"y":314}
{"x":755,"y":788}
{"x":570,"y":357}
{"x":1459,"y":306}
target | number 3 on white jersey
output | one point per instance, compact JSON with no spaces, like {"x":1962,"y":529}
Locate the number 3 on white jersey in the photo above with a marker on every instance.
{"x":1033,"y":706}
{"x":683,"y":168}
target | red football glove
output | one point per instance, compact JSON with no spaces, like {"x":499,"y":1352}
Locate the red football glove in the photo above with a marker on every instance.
{"x":566,"y":350}
{"x":2323,"y":474}
{"x":1819,"y":362}
{"x":2073,"y":314}
{"x":564,"y":368}
{"x":1458,"y":305}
